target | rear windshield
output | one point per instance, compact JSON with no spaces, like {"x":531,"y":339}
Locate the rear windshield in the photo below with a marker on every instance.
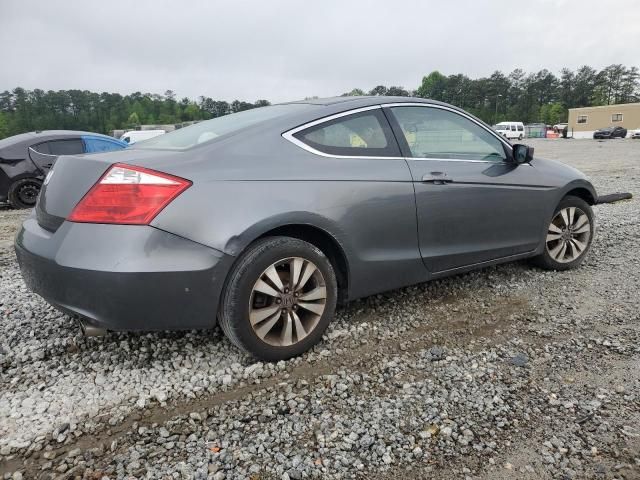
{"x":208,"y":130}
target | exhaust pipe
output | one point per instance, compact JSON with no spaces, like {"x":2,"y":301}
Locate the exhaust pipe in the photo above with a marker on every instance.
{"x":89,"y":330}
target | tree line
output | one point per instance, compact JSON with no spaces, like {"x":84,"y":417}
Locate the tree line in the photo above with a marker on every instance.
{"x":519,"y":96}
{"x":27,"y":110}
{"x":527,"y":97}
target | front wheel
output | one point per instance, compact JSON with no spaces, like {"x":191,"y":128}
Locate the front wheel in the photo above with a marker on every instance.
{"x":520,"y":137}
{"x":569,"y":235}
{"x":279,"y":298}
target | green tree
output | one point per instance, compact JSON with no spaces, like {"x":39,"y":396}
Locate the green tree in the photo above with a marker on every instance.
{"x":378,"y":91}
{"x":354,"y":93}
{"x":552,"y":113}
{"x":433,"y":86}
{"x":4,"y":125}
{"x":133,"y":120}
{"x":396,"y":92}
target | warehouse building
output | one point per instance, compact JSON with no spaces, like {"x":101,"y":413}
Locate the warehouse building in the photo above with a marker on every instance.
{"x":586,"y":120}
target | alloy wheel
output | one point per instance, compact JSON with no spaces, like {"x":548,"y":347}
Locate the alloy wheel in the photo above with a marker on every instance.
{"x":568,"y":235}
{"x":287,"y":301}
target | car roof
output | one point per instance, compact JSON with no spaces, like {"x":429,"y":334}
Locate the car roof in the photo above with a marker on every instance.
{"x":46,"y":135}
{"x":364,"y":101}
{"x":16,"y":146}
{"x":319,"y":108}
{"x":324,"y":107}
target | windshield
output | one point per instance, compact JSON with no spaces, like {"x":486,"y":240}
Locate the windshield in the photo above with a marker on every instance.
{"x":208,"y":130}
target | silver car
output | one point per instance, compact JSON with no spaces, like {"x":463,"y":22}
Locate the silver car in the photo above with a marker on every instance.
{"x":264,"y":220}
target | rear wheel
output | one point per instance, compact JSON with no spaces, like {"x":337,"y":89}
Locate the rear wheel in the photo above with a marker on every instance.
{"x":24,"y":193}
{"x":569,"y":235}
{"x":279,"y":298}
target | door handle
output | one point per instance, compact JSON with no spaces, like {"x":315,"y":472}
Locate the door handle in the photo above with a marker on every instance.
{"x":437,"y":178}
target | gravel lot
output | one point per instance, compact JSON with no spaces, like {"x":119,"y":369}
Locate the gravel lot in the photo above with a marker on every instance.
{"x":509,"y":372}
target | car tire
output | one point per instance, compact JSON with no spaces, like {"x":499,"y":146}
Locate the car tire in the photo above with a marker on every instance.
{"x":520,"y":137}
{"x":263,"y":310}
{"x":569,"y":235}
{"x":24,"y":193}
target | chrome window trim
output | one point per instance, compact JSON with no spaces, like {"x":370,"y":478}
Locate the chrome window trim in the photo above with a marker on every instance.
{"x":43,"y":154}
{"x":443,"y":107}
{"x":289,"y":134}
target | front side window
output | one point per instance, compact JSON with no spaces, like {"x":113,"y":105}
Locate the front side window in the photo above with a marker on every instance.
{"x":521,"y":128}
{"x":616,"y":117}
{"x":437,"y":133}
{"x":363,"y":134}
{"x":582,"y":119}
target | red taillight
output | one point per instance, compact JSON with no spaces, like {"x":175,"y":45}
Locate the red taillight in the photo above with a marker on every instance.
{"x":128,"y":195}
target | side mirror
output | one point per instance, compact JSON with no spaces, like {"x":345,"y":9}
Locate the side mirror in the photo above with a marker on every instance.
{"x":522,"y":153}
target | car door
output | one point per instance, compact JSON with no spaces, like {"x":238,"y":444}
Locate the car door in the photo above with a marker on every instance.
{"x":473,"y":204}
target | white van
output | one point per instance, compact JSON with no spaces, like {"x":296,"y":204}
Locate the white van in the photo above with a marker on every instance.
{"x":134,"y":136}
{"x":510,"y":129}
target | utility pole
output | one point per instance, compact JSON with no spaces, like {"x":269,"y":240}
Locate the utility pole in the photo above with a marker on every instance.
{"x":495,"y":116}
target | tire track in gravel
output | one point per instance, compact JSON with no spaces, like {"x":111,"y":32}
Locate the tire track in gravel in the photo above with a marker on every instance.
{"x":437,"y":327}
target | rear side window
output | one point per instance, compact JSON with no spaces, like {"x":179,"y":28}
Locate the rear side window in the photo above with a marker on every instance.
{"x":363,"y":134}
{"x":66,"y":147}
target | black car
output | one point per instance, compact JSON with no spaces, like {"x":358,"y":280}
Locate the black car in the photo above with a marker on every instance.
{"x":26,"y":158}
{"x":610,"y":132}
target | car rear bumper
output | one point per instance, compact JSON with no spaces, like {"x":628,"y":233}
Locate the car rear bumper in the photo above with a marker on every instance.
{"x":123,"y":277}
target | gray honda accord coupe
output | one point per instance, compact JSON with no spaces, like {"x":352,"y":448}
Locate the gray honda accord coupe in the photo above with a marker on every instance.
{"x":265,"y":220}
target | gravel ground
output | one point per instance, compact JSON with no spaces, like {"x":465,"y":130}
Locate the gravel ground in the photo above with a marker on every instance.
{"x":508,"y":372}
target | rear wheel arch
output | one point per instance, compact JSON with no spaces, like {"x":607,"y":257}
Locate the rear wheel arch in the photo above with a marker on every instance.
{"x":326,"y":242}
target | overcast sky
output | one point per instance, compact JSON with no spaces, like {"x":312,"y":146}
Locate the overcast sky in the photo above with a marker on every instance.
{"x":284,"y":50}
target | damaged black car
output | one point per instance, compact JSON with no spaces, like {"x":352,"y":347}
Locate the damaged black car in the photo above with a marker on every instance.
{"x":25,"y":159}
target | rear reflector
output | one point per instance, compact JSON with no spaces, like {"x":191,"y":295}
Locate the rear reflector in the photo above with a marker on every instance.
{"x":128,"y":195}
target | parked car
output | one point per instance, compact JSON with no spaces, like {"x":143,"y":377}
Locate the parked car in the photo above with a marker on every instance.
{"x":25,"y":159}
{"x":559,"y":127}
{"x":510,"y":129}
{"x":134,"y":136}
{"x":610,"y":132}
{"x":267,"y":218}
{"x":635,"y":133}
